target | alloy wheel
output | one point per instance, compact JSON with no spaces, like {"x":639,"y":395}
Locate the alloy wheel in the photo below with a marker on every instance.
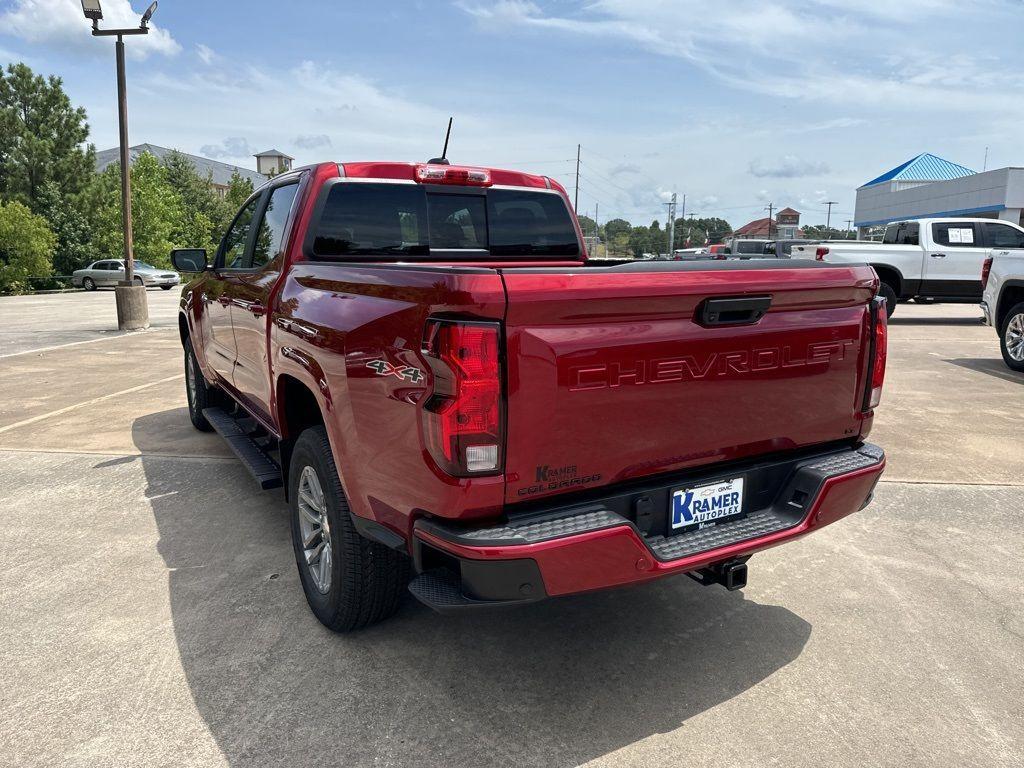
{"x":1014,"y":338}
{"x":315,"y":529}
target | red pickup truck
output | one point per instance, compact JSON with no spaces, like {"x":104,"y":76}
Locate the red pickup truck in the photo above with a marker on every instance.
{"x":423,"y":356}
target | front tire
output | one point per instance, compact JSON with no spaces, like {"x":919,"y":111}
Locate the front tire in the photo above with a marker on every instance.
{"x":1011,"y":338}
{"x":350,"y":582}
{"x":889,"y":294}
{"x":200,"y":394}
{"x":139,"y":282}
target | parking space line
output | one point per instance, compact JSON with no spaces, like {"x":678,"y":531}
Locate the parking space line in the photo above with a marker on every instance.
{"x":93,"y":401}
{"x":118,"y":335}
{"x":123,"y":454}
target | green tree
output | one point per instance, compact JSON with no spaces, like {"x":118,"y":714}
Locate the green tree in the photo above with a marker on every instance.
{"x":615,"y":228}
{"x":203,"y":212}
{"x":821,"y":232}
{"x":74,"y":248}
{"x":26,"y":247}
{"x":588,"y":225}
{"x":156,"y":212}
{"x":42,"y":138}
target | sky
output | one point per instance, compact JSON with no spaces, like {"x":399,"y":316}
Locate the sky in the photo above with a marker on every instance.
{"x":735,"y":103}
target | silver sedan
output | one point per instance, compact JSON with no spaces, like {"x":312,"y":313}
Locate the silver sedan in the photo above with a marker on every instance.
{"x":109,"y":272}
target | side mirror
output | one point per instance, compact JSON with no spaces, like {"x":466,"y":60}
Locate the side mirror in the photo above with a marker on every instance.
{"x":189,"y":259}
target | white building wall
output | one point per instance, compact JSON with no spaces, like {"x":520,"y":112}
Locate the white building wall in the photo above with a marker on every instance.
{"x":998,"y":193}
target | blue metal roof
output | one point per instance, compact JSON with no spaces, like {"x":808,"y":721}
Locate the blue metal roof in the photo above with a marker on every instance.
{"x":924,"y":167}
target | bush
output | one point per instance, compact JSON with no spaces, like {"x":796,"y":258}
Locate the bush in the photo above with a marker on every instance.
{"x":26,"y":247}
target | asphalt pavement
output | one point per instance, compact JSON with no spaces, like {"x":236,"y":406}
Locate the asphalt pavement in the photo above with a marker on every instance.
{"x":152,"y":614}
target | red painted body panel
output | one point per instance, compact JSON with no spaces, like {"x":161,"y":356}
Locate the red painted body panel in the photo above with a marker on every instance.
{"x":576,"y":339}
{"x":617,"y":556}
{"x":610,"y":374}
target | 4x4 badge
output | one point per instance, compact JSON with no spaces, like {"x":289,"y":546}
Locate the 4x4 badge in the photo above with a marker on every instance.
{"x":384,"y":368}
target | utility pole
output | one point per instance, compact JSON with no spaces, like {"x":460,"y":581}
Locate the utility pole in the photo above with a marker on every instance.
{"x":771,"y":209}
{"x":132,"y":307}
{"x":672,"y":223}
{"x":984,"y":166}
{"x":828,"y":216}
{"x":576,"y":198}
{"x":849,"y":225}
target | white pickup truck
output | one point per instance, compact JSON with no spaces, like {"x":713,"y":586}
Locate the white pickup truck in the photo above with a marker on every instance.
{"x":938,"y":259}
{"x":1003,"y":302}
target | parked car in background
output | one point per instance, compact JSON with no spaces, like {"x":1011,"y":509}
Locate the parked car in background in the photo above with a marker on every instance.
{"x":110,"y":272}
{"x":427,"y":361}
{"x":1003,"y":302}
{"x":721,"y":250}
{"x":936,"y":259}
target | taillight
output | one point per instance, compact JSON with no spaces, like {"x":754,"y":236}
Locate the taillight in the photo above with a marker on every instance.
{"x":453,"y":174}
{"x":463,"y":419}
{"x":879,"y":352}
{"x":986,"y":270}
{"x":820,"y":253}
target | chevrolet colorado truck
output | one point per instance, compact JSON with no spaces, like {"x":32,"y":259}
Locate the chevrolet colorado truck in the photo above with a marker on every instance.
{"x":925,"y":259}
{"x":1002,"y":303}
{"x":424,"y":358}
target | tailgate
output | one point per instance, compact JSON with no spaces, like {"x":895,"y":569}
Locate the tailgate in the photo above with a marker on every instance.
{"x":614,"y":373}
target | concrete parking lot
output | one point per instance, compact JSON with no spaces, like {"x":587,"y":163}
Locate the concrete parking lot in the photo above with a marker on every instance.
{"x":152,"y":614}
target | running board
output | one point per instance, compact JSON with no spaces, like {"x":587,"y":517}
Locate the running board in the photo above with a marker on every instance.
{"x":262,"y":467}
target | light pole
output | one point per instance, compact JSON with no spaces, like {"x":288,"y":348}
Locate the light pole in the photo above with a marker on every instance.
{"x":132,"y":309}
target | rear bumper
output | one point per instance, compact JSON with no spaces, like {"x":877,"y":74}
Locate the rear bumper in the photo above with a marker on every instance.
{"x":611,"y":542}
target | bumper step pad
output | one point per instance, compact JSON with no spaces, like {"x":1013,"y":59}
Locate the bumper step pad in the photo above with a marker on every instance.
{"x":441,"y":589}
{"x":261,"y":466}
{"x":807,"y":478}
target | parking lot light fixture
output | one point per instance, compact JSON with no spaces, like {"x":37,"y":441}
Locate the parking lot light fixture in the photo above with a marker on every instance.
{"x":132,"y":308}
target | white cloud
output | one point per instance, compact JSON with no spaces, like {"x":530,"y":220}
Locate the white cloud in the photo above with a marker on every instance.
{"x":206,"y":54}
{"x":235,"y":148}
{"x":312,"y":141}
{"x":59,"y":24}
{"x":787,"y":167}
{"x":818,"y":51}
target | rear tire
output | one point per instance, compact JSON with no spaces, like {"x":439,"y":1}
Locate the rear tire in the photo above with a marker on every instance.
{"x":889,"y":294}
{"x":200,"y":394}
{"x":1011,"y":338}
{"x":89,"y":284}
{"x":350,"y":582}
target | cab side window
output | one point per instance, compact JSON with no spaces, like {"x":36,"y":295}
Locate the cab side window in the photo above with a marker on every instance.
{"x":233,"y":250}
{"x":956,"y":234}
{"x":270,"y":237}
{"x":1003,"y":236}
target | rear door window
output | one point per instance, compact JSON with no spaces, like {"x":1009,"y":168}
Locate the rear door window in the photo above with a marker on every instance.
{"x":1003,"y":236}
{"x":412,"y":220}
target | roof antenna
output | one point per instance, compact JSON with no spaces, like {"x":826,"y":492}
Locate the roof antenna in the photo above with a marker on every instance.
{"x":443,"y":159}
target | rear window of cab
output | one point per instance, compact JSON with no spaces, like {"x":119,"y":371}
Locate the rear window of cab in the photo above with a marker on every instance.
{"x":415,"y":220}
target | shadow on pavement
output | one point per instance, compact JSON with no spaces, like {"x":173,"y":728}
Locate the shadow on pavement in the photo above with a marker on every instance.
{"x":558,"y":683}
{"x":992,"y":367}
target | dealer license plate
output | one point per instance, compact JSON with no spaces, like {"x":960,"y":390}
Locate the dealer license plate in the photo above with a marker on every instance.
{"x":706,"y":505}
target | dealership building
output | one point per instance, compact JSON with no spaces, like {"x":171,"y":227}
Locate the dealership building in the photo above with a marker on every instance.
{"x":927,"y":185}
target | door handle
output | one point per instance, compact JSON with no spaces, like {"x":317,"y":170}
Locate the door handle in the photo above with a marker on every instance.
{"x":938,"y":255}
